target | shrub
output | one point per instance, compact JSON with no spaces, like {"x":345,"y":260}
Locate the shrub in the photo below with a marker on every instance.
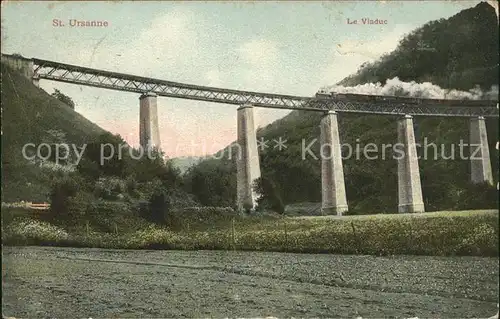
{"x":90,"y":167}
{"x":303,"y":209}
{"x":109,"y":188}
{"x":29,"y":232}
{"x":63,"y":98}
{"x":131,"y":186}
{"x":437,"y":234}
{"x":62,"y":190}
{"x":80,"y":205}
{"x":150,"y":237}
{"x":269,"y":198}
{"x":200,"y":217}
{"x":159,"y":205}
{"x":477,"y":196}
{"x":180,"y":199}
{"x":454,"y":233}
{"x":106,"y":215}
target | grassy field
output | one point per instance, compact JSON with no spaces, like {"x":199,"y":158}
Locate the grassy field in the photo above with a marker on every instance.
{"x":472,"y":233}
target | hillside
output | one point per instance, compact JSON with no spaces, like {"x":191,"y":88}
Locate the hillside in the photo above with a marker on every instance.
{"x":31,"y":115}
{"x":183,"y":163}
{"x":462,"y":53}
{"x":458,"y":53}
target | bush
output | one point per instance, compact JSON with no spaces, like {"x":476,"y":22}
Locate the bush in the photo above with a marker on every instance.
{"x":303,"y":209}
{"x":131,"y":186}
{"x":159,"y":205}
{"x":200,"y":217}
{"x":80,"y":205}
{"x":454,"y":233}
{"x":109,"y":188}
{"x":90,"y":164}
{"x":102,"y":216}
{"x":62,"y":190}
{"x":269,"y":198}
{"x":441,"y":234}
{"x":477,"y":196}
{"x":180,"y":199}
{"x":106,"y":215}
{"x":64,"y":98}
{"x":150,"y":237}
{"x":436,"y":234}
{"x":32,"y":232}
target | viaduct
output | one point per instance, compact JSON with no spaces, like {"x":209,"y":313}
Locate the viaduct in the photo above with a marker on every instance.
{"x":248,"y":168}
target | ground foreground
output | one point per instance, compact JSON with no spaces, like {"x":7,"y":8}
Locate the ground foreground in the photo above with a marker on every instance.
{"x":47,"y":282}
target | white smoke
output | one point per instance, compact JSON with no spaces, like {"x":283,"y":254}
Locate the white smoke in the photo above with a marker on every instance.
{"x":426,"y":90}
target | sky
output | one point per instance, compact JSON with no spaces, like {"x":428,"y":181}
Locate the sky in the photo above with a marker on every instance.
{"x":277,"y":47}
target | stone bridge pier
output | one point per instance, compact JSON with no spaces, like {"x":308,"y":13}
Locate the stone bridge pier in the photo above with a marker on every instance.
{"x":149,"y":132}
{"x":409,"y":184}
{"x":333,"y":196}
{"x":480,"y":163}
{"x":247,"y":159}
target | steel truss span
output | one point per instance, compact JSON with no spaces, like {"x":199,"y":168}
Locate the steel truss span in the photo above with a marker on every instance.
{"x":56,"y":71}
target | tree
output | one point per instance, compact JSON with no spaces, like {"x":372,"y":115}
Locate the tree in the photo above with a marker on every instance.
{"x":64,"y":98}
{"x":159,"y":205}
{"x":269,"y":198}
{"x":476,"y":196}
{"x":62,"y":189}
{"x":102,"y":157}
{"x":213,"y":183}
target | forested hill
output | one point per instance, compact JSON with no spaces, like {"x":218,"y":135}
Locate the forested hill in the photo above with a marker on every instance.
{"x":460,"y":53}
{"x":31,"y":115}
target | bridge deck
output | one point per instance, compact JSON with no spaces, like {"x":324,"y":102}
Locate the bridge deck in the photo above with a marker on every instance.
{"x":356,"y":103}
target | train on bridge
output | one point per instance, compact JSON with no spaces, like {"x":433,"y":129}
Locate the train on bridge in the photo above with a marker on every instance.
{"x":351,"y":97}
{"x":37,"y":69}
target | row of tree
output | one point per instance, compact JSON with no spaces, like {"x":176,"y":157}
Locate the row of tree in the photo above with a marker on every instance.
{"x":148,"y":180}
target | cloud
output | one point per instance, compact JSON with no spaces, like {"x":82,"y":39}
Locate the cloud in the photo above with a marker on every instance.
{"x":168,"y":40}
{"x":367,"y":49}
{"x":260,"y":62}
{"x":259,"y":52}
{"x":347,"y":56}
{"x":213,"y":78}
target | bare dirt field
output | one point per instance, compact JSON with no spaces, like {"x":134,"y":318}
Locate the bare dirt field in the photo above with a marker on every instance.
{"x":44,"y":282}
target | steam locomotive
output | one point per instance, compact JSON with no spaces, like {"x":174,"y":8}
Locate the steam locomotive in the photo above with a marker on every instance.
{"x":394,"y":99}
{"x":367,"y":98}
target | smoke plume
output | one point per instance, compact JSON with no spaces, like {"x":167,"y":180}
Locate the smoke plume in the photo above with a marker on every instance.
{"x":427,"y":90}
